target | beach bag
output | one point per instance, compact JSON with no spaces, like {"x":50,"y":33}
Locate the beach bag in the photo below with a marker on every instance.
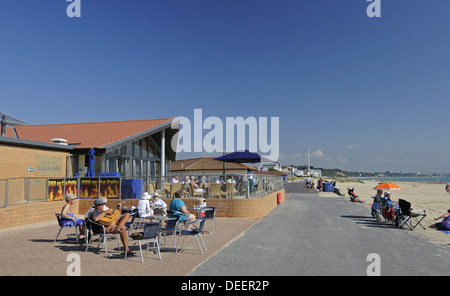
{"x":388,"y":213}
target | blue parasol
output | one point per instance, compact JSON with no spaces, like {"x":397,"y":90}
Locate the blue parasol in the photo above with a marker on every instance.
{"x":91,"y":171}
{"x":242,"y":157}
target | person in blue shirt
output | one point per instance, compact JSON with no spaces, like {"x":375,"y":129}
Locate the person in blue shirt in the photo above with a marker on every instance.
{"x":178,"y":207}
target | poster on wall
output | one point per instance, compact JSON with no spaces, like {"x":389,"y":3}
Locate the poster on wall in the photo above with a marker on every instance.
{"x":89,"y":188}
{"x":57,"y":188}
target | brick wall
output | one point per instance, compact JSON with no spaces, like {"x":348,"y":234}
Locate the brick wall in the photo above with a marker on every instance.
{"x":45,"y":211}
{"x":15,"y":161}
{"x":31,"y":213}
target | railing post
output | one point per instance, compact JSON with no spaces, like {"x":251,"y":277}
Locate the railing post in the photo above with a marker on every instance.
{"x":6,"y":194}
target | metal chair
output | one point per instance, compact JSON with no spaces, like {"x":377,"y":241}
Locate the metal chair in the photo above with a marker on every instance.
{"x":171,"y":228}
{"x":210,"y":213}
{"x":61,"y":226}
{"x":94,"y":228}
{"x":196,"y":232}
{"x":149,"y":235}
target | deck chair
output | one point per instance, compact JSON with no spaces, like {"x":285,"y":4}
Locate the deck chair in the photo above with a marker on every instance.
{"x":196,"y":228}
{"x":149,"y":235}
{"x":407,"y":216}
{"x":58,"y":217}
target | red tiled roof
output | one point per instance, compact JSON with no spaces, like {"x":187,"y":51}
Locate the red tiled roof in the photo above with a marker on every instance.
{"x":88,"y":134}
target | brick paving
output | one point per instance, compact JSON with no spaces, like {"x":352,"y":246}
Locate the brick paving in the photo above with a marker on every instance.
{"x":29,"y":251}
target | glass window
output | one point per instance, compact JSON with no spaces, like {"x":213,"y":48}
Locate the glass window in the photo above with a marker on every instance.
{"x":137,"y":149}
{"x":151,"y":150}
{"x":128,"y":149}
{"x":138,"y":167}
{"x":144,"y":147}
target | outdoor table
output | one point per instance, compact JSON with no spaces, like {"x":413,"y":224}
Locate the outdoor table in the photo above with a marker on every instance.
{"x":199,"y":210}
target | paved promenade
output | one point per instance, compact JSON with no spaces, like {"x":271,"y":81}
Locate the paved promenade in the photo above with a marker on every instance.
{"x":29,"y":250}
{"x":305,"y":235}
{"x":312,"y":235}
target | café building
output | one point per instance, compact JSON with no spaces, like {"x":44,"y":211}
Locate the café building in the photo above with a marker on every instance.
{"x":138,"y":148}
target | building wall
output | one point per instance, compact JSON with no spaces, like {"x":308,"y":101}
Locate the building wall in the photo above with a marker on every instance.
{"x":16,"y":161}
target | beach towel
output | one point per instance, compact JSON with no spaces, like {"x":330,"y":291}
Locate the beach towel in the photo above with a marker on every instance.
{"x":445,"y":231}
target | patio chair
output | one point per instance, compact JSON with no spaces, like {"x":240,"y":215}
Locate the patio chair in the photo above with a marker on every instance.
{"x":149,"y":235}
{"x":132,"y":225}
{"x":58,"y":217}
{"x":192,"y":192}
{"x":215,"y":190}
{"x":230,"y":189}
{"x":195,"y":231}
{"x":93,"y":229}
{"x":408,"y":216}
{"x":174,"y":187}
{"x":210,"y":213}
{"x":171,"y":228}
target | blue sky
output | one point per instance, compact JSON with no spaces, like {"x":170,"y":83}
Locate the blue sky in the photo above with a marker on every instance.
{"x":368,"y":94}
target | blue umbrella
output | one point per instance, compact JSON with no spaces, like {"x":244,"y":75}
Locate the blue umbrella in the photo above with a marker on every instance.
{"x":242,"y":157}
{"x":91,"y":171}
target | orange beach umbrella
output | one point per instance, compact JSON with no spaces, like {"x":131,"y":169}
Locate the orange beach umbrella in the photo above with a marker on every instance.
{"x":387,"y":186}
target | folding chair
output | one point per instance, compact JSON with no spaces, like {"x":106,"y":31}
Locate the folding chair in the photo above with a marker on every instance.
{"x":408,"y":216}
{"x":58,"y":217}
{"x":149,"y":235}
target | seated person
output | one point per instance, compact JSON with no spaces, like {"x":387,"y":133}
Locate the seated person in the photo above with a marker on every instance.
{"x":117,"y":228}
{"x":144,"y":209}
{"x":195,"y":185}
{"x":67,"y":217}
{"x":179,"y":208}
{"x":445,"y":224}
{"x":158,"y":205}
{"x":89,"y":211}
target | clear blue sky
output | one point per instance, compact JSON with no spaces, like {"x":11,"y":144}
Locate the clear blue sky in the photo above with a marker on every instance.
{"x":363,"y":93}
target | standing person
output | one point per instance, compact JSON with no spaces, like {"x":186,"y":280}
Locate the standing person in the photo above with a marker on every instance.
{"x":67,"y":217}
{"x":445,"y":224}
{"x":319,"y":184}
{"x":447,"y":188}
{"x":117,"y":228}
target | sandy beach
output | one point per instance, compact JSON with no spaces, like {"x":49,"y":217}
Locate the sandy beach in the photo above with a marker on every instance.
{"x":428,"y":196}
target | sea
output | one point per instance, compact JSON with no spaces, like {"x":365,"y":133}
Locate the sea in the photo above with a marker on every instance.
{"x":408,"y":179}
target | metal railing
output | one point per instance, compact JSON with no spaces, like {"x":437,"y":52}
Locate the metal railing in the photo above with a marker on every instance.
{"x":26,"y":190}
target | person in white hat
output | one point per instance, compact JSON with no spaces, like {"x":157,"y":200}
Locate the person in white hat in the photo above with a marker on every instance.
{"x":144,"y":209}
{"x":158,"y":205}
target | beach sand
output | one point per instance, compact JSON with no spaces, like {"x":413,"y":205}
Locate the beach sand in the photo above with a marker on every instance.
{"x":431,"y":197}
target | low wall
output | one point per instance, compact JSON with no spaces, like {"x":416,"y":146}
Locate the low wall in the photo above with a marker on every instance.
{"x":233,"y":208}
